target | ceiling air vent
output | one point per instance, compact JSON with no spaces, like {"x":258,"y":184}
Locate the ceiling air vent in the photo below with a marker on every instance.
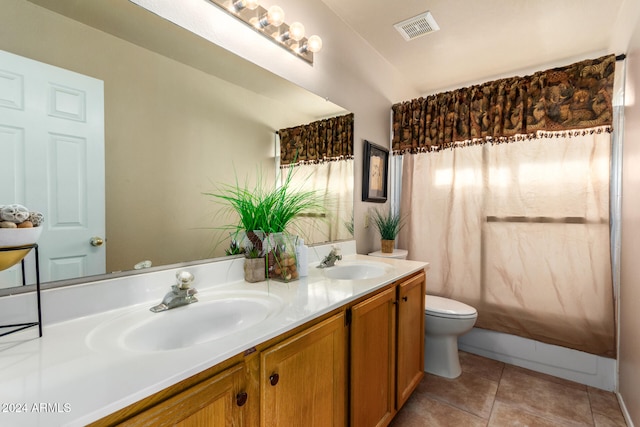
{"x":417,"y":26}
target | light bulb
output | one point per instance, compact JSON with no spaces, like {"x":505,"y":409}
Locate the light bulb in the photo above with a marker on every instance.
{"x":238,"y":5}
{"x":296,"y":31}
{"x":275,"y":16}
{"x":314,"y":44}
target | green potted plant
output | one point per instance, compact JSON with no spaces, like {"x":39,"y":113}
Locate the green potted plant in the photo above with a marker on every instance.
{"x":266,"y":214}
{"x":389,"y":225}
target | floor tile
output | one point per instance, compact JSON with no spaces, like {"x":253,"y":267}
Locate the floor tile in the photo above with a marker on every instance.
{"x":469,"y":392}
{"x":549,"y":378}
{"x":495,"y":394}
{"x":481,"y":366}
{"x":552,"y":400}
{"x":421,"y":410}
{"x":605,"y":408}
{"x":601,"y":420}
{"x":504,"y":415}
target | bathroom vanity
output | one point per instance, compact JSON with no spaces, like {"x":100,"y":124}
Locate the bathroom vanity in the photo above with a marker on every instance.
{"x":345,"y":351}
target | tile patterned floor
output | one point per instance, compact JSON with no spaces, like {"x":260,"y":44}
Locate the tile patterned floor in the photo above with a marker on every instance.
{"x":493,"y":394}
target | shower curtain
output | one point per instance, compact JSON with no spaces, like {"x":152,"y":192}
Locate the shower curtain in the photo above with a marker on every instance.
{"x":507,"y":191}
{"x":521,"y":232}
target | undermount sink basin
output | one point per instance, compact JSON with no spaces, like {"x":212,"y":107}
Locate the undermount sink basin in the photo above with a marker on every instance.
{"x":356,"y":270}
{"x":215,"y":315}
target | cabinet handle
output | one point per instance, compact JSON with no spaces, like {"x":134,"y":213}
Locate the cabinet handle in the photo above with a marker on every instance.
{"x":405,"y":298}
{"x":241,"y":398}
{"x":274,"y":378}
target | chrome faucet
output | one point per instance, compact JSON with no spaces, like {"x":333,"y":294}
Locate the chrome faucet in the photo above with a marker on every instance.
{"x":181,"y":293}
{"x":331,"y":258}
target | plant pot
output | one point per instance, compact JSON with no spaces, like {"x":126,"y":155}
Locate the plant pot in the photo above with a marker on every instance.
{"x":387,"y":246}
{"x":281,"y":256}
{"x":254,"y":270}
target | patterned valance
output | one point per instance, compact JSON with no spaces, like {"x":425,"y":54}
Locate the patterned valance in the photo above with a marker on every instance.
{"x":560,"y":101}
{"x":322,"y":141}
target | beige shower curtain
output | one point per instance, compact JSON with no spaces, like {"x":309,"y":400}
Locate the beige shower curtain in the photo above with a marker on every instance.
{"x":334,"y":182}
{"x":521,"y":232}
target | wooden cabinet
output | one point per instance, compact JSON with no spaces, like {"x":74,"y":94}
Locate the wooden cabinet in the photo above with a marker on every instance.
{"x":387,"y":351}
{"x":410,"y":338}
{"x":373,"y":360}
{"x":303,"y":379}
{"x":219,"y":401}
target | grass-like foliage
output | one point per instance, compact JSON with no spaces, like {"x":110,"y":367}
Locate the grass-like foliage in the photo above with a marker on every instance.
{"x":388,"y":224}
{"x":270,"y":209}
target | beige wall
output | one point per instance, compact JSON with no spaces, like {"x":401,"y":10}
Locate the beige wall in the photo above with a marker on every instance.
{"x":629,"y":354}
{"x":171,"y":133}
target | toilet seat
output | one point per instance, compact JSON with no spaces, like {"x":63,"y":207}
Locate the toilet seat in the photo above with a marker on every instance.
{"x":448,"y":308}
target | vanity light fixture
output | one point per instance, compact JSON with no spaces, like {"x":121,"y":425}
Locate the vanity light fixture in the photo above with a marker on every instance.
{"x":313,"y":44}
{"x":270,"y":23}
{"x":296,"y":32}
{"x":274,"y":17}
{"x":237,"y":5}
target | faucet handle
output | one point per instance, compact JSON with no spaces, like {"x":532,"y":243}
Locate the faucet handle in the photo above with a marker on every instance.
{"x":184,"y":279}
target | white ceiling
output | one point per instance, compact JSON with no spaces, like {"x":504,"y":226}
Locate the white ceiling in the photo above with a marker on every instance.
{"x":480,"y":40}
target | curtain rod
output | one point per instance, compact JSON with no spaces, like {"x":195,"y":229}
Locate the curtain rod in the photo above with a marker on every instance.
{"x":621,"y":57}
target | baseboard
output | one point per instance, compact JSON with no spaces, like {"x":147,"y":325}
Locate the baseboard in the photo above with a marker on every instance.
{"x":625,"y":412}
{"x":573,"y":365}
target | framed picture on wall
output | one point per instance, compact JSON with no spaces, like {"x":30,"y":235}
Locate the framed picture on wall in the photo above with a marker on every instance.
{"x":375,"y":172}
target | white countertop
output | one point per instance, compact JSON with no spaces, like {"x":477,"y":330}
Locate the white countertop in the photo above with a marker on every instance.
{"x":64,"y":378}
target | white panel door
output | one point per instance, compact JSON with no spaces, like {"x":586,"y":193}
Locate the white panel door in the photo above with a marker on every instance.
{"x":52,"y":161}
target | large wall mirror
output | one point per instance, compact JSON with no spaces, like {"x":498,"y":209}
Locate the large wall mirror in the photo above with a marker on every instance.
{"x":181,"y":116}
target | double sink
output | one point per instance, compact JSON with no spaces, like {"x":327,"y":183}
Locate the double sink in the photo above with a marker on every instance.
{"x":217,"y":315}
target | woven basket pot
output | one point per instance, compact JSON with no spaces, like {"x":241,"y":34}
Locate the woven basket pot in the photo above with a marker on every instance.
{"x":387,"y":246}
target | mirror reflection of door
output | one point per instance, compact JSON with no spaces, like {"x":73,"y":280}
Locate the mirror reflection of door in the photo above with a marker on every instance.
{"x":52,"y":145}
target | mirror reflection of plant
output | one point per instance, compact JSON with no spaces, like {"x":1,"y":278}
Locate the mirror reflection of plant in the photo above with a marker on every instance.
{"x":234,"y":248}
{"x":349,"y":225}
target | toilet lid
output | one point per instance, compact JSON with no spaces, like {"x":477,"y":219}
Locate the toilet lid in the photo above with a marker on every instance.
{"x":445,"y":307}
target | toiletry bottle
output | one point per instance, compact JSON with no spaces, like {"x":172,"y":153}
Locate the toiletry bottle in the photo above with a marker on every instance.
{"x":302,"y":258}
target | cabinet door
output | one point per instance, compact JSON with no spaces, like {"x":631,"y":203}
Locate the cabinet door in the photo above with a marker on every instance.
{"x":217,"y":402}
{"x":410,"y":352}
{"x":373,"y":360}
{"x":303,"y":379}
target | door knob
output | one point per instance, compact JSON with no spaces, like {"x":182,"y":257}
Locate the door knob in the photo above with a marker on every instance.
{"x":96,"y":241}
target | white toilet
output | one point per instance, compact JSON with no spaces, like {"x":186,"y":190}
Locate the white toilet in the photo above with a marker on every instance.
{"x":445,"y":319}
